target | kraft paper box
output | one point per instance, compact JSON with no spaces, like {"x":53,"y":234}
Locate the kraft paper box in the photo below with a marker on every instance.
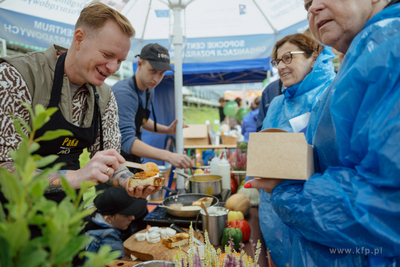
{"x":275,"y":153}
{"x":196,"y":134}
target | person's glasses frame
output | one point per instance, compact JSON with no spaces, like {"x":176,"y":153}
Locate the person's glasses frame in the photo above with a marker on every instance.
{"x":286,"y":58}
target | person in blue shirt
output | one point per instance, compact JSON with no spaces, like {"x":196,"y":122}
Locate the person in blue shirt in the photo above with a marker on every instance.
{"x":115,"y":212}
{"x":134,"y":97}
{"x":249,"y":123}
{"x":347,"y":214}
{"x":306,"y":70}
{"x":271,"y":90}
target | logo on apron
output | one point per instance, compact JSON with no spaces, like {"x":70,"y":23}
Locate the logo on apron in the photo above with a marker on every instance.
{"x":67,"y":145}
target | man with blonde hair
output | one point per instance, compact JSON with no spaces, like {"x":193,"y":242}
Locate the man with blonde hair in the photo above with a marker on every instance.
{"x":72,"y":81}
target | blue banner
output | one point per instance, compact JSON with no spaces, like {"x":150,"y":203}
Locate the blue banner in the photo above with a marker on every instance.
{"x":34,"y":31}
{"x":217,"y":49}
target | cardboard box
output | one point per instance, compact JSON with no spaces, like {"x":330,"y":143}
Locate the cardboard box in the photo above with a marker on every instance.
{"x":275,"y":153}
{"x":196,"y":134}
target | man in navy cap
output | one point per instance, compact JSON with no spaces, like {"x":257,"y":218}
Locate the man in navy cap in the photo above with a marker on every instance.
{"x":134,"y":97}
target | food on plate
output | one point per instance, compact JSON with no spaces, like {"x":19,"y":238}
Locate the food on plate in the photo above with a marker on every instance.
{"x":187,"y":208}
{"x":167,"y":232}
{"x":179,"y":206}
{"x":207,"y":201}
{"x":154,"y":229}
{"x":153,"y":237}
{"x":176,"y":206}
{"x":176,"y":240}
{"x":140,"y":237}
{"x":146,"y":179}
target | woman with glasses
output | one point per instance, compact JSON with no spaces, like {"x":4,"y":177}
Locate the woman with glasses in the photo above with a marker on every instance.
{"x":306,"y":70}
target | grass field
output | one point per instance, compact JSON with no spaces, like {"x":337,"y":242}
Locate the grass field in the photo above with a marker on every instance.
{"x":194,"y":115}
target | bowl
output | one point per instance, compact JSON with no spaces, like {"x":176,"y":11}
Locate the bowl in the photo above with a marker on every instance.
{"x":157,"y":263}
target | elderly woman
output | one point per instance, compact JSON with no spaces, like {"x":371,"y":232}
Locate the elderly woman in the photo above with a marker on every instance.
{"x":347,"y":214}
{"x":306,"y":70}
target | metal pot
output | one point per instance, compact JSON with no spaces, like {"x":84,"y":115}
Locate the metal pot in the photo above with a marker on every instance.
{"x":210,"y":184}
{"x":186,"y":200}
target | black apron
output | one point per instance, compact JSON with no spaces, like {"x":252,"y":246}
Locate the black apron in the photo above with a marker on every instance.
{"x":142,"y":115}
{"x":68,"y":148}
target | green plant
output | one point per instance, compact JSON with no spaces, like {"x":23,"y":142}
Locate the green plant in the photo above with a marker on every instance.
{"x":24,"y":189}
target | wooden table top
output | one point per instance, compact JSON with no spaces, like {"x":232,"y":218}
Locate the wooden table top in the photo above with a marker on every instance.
{"x":255,"y":235}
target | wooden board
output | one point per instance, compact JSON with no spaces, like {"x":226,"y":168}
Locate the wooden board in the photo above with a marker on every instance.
{"x":146,"y":251}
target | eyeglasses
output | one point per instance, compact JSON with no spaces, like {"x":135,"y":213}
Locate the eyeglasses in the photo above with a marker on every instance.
{"x":286,"y":58}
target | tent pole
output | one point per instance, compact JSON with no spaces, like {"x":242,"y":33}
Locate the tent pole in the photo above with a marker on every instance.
{"x":178,"y":41}
{"x":265,"y":17}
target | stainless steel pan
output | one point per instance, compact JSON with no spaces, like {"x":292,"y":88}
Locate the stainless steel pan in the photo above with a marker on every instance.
{"x":210,"y":184}
{"x":186,"y":200}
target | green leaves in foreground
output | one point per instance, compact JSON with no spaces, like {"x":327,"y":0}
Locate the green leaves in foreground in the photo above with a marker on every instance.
{"x":60,"y":224}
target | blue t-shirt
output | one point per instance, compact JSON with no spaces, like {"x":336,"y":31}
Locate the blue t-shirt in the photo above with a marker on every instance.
{"x":128,"y":103}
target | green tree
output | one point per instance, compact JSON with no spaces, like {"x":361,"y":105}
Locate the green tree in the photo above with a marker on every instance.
{"x":60,"y":223}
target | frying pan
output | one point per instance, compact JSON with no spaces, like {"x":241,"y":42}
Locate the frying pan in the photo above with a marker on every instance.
{"x":186,"y":200}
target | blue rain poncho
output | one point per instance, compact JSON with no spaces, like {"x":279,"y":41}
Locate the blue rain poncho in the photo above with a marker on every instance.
{"x":296,"y":100}
{"x":348,"y":214}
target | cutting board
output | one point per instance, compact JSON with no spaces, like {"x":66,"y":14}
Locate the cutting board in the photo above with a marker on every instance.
{"x":146,"y":251}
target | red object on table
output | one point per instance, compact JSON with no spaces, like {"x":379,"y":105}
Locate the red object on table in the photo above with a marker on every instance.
{"x":243,"y":226}
{"x":233,"y":186}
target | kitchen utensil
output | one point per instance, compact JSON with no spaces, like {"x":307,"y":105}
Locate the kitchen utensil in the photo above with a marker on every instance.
{"x":180,"y":230}
{"x":186,"y":200}
{"x":204,"y":208}
{"x":214,"y":224}
{"x":146,"y":251}
{"x":149,"y":166}
{"x":210,"y":184}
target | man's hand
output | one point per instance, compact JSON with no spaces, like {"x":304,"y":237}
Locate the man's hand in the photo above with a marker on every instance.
{"x":261,"y":183}
{"x":171,"y":129}
{"x":141,"y":191}
{"x":99,"y":169}
{"x":180,"y":161}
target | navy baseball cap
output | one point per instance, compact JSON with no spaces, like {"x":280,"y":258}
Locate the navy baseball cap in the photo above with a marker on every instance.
{"x":157,"y":56}
{"x":116,"y":200}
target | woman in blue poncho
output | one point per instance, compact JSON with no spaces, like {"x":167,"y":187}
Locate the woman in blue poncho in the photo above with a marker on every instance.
{"x":348,"y":213}
{"x":306,"y":70}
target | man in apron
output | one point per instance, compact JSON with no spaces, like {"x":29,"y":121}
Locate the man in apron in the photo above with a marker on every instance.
{"x":134,"y":97}
{"x":73,"y":81}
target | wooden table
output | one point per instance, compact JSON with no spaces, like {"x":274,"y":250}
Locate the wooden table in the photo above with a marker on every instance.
{"x":255,"y":235}
{"x":209,"y":146}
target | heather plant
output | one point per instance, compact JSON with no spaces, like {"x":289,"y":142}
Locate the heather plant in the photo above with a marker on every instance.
{"x":24,"y":189}
{"x":213,"y":257}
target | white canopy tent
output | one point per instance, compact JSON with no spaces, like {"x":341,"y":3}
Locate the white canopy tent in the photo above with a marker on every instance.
{"x":194,"y":31}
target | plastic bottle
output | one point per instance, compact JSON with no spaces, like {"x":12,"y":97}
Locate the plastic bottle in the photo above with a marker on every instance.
{"x":214,"y":165}
{"x":224,"y":169}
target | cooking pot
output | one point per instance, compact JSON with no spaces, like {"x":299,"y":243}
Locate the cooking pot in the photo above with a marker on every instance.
{"x":185,"y":200}
{"x":210,"y":184}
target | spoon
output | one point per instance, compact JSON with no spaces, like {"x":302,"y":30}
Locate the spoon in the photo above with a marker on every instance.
{"x":204,"y":208}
